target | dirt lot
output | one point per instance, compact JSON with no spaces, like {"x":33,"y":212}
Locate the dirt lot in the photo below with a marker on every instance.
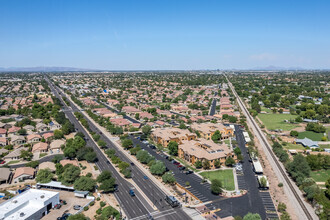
{"x":71,"y":201}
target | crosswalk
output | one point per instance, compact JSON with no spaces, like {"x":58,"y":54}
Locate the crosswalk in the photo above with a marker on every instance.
{"x":156,"y":215}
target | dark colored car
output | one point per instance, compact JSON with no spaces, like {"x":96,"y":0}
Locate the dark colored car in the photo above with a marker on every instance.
{"x":182,"y":168}
{"x":189,"y":172}
{"x":176,"y":163}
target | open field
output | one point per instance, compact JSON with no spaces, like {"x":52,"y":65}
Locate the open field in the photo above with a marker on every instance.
{"x":311,"y":135}
{"x":225,"y":176}
{"x":321,"y":175}
{"x":264,"y":109}
{"x":276,"y":121}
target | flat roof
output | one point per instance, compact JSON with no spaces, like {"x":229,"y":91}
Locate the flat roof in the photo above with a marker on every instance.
{"x":55,"y":184}
{"x":27,"y":202}
{"x":257,"y":166}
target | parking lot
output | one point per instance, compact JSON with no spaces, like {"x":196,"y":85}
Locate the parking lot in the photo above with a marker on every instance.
{"x":70,"y":199}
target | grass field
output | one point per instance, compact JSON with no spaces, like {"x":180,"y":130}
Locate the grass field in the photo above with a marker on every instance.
{"x":324,"y":146}
{"x":276,"y":121}
{"x":225,"y":176}
{"x":311,"y":135}
{"x":290,"y":146}
{"x":266,"y":110}
{"x":321,"y":175}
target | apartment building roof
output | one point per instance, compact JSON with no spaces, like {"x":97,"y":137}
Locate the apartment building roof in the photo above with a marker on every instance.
{"x":171,"y":133}
{"x":205,"y":149}
{"x":207,"y":128}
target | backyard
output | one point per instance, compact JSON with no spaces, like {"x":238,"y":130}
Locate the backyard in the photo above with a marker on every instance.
{"x":276,"y":121}
{"x":290,"y":146}
{"x":225,"y":176}
{"x":321,"y":175}
{"x":311,"y":135}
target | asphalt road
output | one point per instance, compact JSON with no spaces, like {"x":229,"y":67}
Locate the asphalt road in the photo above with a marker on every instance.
{"x":151,"y":190}
{"x":125,"y":200}
{"x":41,"y":160}
{"x":213,"y":105}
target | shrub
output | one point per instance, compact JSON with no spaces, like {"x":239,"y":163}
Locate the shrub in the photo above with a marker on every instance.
{"x":86,"y":208}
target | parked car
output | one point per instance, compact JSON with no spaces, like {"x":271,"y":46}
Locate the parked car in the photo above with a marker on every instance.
{"x":77,"y":207}
{"x":57,"y":206}
{"x":182,"y":168}
{"x":2,"y":162}
{"x":189,"y":172}
{"x":179,"y":166}
{"x":145,"y":177}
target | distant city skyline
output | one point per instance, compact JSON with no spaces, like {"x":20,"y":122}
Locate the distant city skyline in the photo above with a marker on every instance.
{"x":164,"y":35}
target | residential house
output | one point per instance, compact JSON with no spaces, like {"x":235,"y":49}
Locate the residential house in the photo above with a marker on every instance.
{"x":17,"y":140}
{"x":40,"y":147}
{"x":3,"y":141}
{"x":47,"y":165}
{"x":33,"y":138}
{"x":15,"y":154}
{"x":53,"y":125}
{"x":13,"y":130}
{"x":28,"y":128}
{"x":306,"y":142}
{"x":23,"y":173}
{"x":41,"y":127}
{"x":5,"y":174}
{"x":3,"y":132}
{"x":55,"y":146}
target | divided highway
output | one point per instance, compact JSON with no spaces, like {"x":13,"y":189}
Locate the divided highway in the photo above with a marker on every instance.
{"x":303,"y":210}
{"x":135,"y":207}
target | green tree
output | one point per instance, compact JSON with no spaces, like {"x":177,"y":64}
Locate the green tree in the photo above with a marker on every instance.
{"x":173,"y":148}
{"x":216,"y":136}
{"x":102,"y":143}
{"x":127,"y":143}
{"x":85,"y":183}
{"x":217,"y":164}
{"x":58,"y":134}
{"x":158,"y":168}
{"x":168,"y":178}
{"x":263,"y":182}
{"x":229,"y":161}
{"x":44,"y":176}
{"x":70,"y":174}
{"x":104,"y":176}
{"x":109,"y":212}
{"x":206,"y":165}
{"x":26,"y":155}
{"x":57,"y":158}
{"x":216,"y":186}
{"x":182,"y":126}
{"x":21,"y":131}
{"x":294,"y":133}
{"x":299,"y":168}
{"x":198,"y":164}
{"x":281,"y":207}
{"x":327,"y":186}
{"x":108,"y":185}
{"x":285,"y":216}
{"x":146,"y":129}
{"x":79,"y":216}
{"x":32,"y":164}
{"x":251,"y":216}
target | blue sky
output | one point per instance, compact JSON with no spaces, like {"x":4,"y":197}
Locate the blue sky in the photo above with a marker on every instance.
{"x":167,"y":34}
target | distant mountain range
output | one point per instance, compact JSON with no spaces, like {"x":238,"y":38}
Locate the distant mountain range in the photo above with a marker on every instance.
{"x":43,"y":69}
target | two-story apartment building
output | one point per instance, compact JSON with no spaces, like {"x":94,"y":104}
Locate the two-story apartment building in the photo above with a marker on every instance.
{"x":163,"y":136}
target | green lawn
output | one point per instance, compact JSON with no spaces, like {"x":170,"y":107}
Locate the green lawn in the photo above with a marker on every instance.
{"x":324,"y":146}
{"x":13,"y":162}
{"x":311,"y":135}
{"x":276,"y":121}
{"x":290,"y":146}
{"x":42,"y":155}
{"x":227,"y":141}
{"x":321,"y":175}
{"x":264,"y":109}
{"x":225,"y":176}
